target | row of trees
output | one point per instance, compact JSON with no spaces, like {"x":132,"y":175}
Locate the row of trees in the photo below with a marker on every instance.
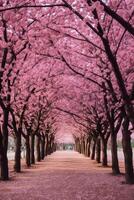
{"x":76,"y":57}
{"x":26,"y":92}
{"x":99,"y":55}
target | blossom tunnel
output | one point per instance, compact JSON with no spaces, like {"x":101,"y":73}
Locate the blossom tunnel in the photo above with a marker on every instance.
{"x":66,"y":77}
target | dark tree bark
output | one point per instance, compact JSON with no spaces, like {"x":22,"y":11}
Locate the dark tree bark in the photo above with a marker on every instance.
{"x":4,"y":166}
{"x":113,"y":132}
{"x":89,"y":146}
{"x":32,"y":155}
{"x":46,"y":141}
{"x":49,"y":148}
{"x":1,"y":146}
{"x":4,"y":147}
{"x":17,"y":165}
{"x":104,"y":152}
{"x":93,"y":149}
{"x":42,"y":147}
{"x":38,"y":151}
{"x":53,"y":147}
{"x":28,"y":163}
{"x":3,"y":162}
{"x":98,"y":150}
{"x":82,"y":146}
{"x":51,"y":141}
{"x":114,"y":153}
{"x":128,"y":155}
{"x":79,"y":146}
{"x":86,"y":146}
{"x":76,"y":145}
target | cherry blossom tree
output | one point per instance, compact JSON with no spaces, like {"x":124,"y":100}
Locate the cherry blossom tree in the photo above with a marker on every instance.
{"x":67,"y":54}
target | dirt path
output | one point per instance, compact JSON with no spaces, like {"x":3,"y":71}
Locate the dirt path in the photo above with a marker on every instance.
{"x":66,"y":176}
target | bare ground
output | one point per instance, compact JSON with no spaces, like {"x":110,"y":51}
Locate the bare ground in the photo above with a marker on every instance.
{"x":66,"y":176}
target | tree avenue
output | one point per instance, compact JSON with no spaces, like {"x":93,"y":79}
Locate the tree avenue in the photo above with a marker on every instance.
{"x":67,"y":63}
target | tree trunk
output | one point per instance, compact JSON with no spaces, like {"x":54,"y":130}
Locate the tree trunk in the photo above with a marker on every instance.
{"x":115,"y":162}
{"x":75,"y":146}
{"x":49,"y":148}
{"x":86,"y":146}
{"x":3,"y":162}
{"x":112,"y":58}
{"x":89,"y":146}
{"x":17,"y":165}
{"x":55,"y":147}
{"x":4,"y":166}
{"x":46,"y":146}
{"x":32,"y":155}
{"x":98,"y":151}
{"x":43,"y":147}
{"x":52,"y":146}
{"x":128,"y":155}
{"x":82,"y":146}
{"x":104,"y":152}
{"x":79,"y":146}
{"x":4,"y":147}
{"x":38,"y":148}
{"x":93,"y":150}
{"x":28,"y":163}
